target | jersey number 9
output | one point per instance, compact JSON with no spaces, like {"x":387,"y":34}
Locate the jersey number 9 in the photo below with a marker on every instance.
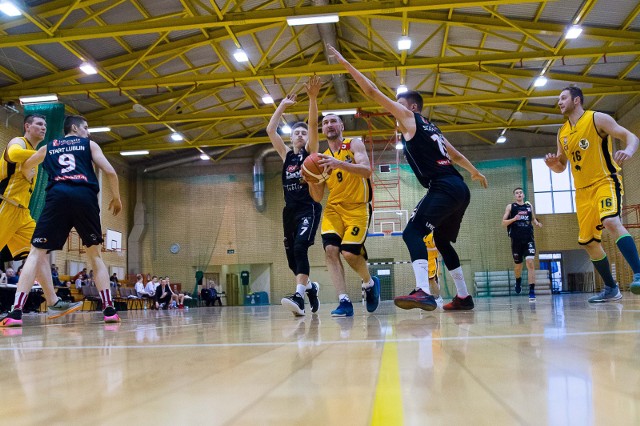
{"x":68,"y":162}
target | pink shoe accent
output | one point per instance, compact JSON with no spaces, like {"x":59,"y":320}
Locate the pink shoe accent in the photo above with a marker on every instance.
{"x":10,"y":322}
{"x":111,"y":319}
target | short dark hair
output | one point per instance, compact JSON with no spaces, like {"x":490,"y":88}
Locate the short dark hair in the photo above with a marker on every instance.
{"x":299,"y":124}
{"x":322,"y":117}
{"x":575,"y":92}
{"x":71,"y":120}
{"x":514,"y":191}
{"x":412,"y":97}
{"x":28,"y":119}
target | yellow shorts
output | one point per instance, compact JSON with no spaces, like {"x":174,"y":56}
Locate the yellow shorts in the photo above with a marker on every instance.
{"x":16,"y":229}
{"x":595,"y":203}
{"x":349,"y":222}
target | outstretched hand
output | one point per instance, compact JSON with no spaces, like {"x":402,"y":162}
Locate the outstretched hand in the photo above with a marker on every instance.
{"x":620,"y":156}
{"x":333,"y":52}
{"x":289,"y":100}
{"x":313,"y":86}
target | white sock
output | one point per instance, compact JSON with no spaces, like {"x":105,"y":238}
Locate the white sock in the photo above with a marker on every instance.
{"x":458,"y":279}
{"x":308,"y":286}
{"x":421,"y":271}
{"x":300,"y":288}
{"x":344,"y":297}
{"x":369,"y":284}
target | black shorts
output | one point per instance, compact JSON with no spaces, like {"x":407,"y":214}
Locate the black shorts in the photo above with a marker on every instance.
{"x":522,"y":249}
{"x":66,"y":207}
{"x":442,"y":209}
{"x":300,"y":224}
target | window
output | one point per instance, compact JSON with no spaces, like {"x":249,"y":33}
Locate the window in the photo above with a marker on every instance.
{"x":553,"y":192}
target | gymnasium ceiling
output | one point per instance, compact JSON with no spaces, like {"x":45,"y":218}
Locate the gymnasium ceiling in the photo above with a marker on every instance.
{"x":474,"y":61}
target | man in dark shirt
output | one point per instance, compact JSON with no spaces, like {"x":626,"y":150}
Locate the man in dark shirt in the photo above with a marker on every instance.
{"x":431,"y":158}
{"x":519,"y":219}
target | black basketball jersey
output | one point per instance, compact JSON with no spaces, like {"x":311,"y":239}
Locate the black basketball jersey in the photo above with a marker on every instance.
{"x":296,"y":191}
{"x":427,"y":154}
{"x":521,"y":229}
{"x":68,"y":160}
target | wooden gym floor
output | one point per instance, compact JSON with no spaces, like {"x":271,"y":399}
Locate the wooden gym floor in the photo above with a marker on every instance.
{"x":557,"y":361}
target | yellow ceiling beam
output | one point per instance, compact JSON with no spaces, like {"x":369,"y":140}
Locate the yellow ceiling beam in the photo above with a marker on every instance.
{"x":302,"y":110}
{"x":448,"y":128}
{"x":243,"y":18}
{"x":364,"y":66}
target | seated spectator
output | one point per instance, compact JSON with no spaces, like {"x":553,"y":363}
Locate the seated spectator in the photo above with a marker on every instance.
{"x":65,"y":293}
{"x":210,"y":295}
{"x":55,"y":276}
{"x":163,"y":295}
{"x":177,"y":297}
{"x":82,"y":274}
{"x":151,"y":286}
{"x":3,"y":277}
{"x":12,"y":278}
{"x":114,"y":280}
{"x":79,"y":283}
{"x":90,"y":278}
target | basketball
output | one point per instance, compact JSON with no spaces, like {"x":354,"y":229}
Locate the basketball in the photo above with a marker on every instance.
{"x":312,"y":170}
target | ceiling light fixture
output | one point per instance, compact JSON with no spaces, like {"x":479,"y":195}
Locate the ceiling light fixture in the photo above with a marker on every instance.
{"x":399,"y":145}
{"x":38,"y":99}
{"x":401,"y":89}
{"x":88,"y":69}
{"x":130,"y":153}
{"x":314,"y":19}
{"x":573,"y":32}
{"x":9,"y":9}
{"x":204,"y":157}
{"x":267,"y":99}
{"x":540,"y":81}
{"x":286,"y":129}
{"x":501,"y":139}
{"x":176,"y":137}
{"x":241,"y":56}
{"x":404,"y":43}
{"x":340,"y":112}
{"x":99,"y":129}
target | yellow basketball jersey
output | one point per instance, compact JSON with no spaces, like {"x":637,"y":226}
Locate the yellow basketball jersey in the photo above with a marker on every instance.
{"x":345,"y":187}
{"x":13,"y":184}
{"x":590,"y":154}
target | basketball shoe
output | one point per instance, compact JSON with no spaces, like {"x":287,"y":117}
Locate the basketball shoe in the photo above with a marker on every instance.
{"x":110,"y":315}
{"x":12,"y":319}
{"x":61,"y":308}
{"x":416,"y":299}
{"x":312,"y":294}
{"x":635,"y":285}
{"x":295,"y":303}
{"x":458,"y":304}
{"x":608,"y":294}
{"x":372,"y":294}
{"x":532,"y":295}
{"x":344,"y":309}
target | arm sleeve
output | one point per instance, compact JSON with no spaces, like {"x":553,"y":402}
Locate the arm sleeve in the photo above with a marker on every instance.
{"x":18,"y":154}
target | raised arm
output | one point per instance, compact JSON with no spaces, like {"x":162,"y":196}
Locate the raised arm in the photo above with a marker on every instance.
{"x":360,"y":166}
{"x":405,"y":118}
{"x":313,"y":88}
{"x":103,"y":164}
{"x":272,"y":127}
{"x":556,"y":162}
{"x":605,"y":123}
{"x":462,"y":161}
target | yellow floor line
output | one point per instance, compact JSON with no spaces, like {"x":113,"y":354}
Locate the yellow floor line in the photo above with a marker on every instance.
{"x":387,"y":407}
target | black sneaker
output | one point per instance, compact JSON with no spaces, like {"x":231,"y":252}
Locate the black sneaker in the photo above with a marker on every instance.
{"x":312,"y":294}
{"x":13,"y":319}
{"x":295,"y":303}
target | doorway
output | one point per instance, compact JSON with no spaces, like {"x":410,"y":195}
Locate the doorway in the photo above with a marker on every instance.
{"x":552,"y":263}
